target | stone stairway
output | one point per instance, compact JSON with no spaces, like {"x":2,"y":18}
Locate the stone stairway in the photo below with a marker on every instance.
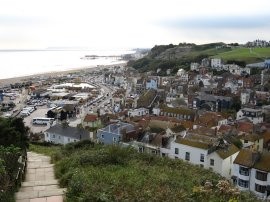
{"x":40,"y":184}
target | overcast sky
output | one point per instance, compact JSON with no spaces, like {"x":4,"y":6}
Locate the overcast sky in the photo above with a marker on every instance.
{"x":118,"y":24}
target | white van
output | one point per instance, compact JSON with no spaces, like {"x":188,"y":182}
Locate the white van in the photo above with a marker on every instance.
{"x":25,"y":113}
{"x":30,"y":109}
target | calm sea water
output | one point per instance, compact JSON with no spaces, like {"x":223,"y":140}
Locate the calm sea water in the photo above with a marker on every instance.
{"x":23,"y":63}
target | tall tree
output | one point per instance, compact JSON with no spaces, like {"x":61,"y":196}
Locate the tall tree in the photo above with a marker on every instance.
{"x":13,"y":132}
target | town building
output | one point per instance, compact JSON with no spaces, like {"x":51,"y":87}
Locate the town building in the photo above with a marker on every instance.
{"x":216,"y":63}
{"x":251,"y":172}
{"x":211,"y":102}
{"x":151,"y":84}
{"x":138,"y":112}
{"x":178,"y":113}
{"x":64,"y":134}
{"x":254,"y":115}
{"x":116,"y":132}
{"x":207,"y":152}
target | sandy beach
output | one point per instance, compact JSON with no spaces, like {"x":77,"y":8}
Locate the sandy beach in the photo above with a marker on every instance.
{"x":7,"y":81}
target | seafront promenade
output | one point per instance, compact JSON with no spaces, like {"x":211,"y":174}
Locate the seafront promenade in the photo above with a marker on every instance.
{"x":40,"y":184}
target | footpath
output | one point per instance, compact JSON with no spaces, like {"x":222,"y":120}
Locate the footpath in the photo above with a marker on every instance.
{"x":40,"y":184}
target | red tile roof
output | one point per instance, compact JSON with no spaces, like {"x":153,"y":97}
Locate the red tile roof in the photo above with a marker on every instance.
{"x":224,"y":128}
{"x":90,"y":118}
{"x":245,"y":127}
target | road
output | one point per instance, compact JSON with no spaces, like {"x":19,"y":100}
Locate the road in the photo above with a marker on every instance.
{"x":40,"y":112}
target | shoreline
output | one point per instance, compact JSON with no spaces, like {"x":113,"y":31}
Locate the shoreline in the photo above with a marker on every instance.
{"x":19,"y":79}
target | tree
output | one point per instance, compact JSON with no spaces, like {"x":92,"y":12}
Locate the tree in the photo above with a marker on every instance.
{"x":13,"y":132}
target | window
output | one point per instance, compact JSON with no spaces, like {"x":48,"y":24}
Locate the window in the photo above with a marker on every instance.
{"x":243,"y":183}
{"x":154,"y":152}
{"x":176,"y":151}
{"x":47,"y":135}
{"x":244,"y":171}
{"x":260,"y":188}
{"x":59,"y":137}
{"x":187,"y":156}
{"x":102,"y":136}
{"x":68,"y":139}
{"x":202,"y":158}
{"x":212,"y":162}
{"x":114,"y":139}
{"x":53,"y":136}
{"x":261,"y":176}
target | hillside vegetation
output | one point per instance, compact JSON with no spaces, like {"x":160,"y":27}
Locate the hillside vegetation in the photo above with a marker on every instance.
{"x":108,"y":173}
{"x":252,"y":55}
{"x":173,"y":57}
{"x":13,"y":144}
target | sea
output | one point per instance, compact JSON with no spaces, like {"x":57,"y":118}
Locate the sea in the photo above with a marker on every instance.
{"x":17,"y":63}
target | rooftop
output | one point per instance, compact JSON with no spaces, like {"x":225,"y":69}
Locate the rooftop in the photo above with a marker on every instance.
{"x":193,"y":143}
{"x":260,"y":161}
{"x":67,"y":131}
{"x":90,"y":118}
{"x":250,"y":137}
{"x":225,"y":153}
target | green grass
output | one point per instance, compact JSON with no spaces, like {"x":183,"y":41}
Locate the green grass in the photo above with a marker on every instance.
{"x":46,"y":150}
{"x":105,"y":173}
{"x":244,"y":54}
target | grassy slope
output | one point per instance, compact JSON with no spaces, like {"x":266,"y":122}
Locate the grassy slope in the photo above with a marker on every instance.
{"x":202,"y":51}
{"x":244,"y":54}
{"x":98,"y":173}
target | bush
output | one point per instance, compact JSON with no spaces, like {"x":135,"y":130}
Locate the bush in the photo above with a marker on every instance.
{"x":111,"y":173}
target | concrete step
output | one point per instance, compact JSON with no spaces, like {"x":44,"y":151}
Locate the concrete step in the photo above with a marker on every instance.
{"x":39,"y":183}
{"x":46,"y":199}
{"x":39,"y":194}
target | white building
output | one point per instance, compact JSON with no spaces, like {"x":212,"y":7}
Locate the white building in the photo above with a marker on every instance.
{"x":236,"y":70}
{"x":253,"y":142}
{"x":251,"y":172}
{"x":138,"y":112}
{"x":194,"y":66}
{"x":245,"y":96}
{"x":216,"y":63}
{"x":218,"y":158}
{"x":183,"y":75}
{"x":59,"y":134}
{"x":156,"y":111}
{"x":254,"y":115}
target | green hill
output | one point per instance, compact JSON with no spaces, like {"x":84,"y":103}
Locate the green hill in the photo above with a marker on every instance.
{"x":249,"y":55}
{"x":173,"y":57}
{"x":108,"y":173}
